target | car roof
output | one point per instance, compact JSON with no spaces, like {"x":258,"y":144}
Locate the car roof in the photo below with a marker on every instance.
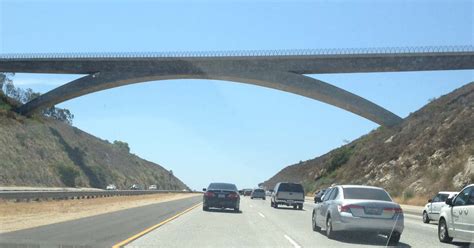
{"x":222,"y":183}
{"x":448,"y":192}
{"x":358,"y":186}
{"x":467,"y":186}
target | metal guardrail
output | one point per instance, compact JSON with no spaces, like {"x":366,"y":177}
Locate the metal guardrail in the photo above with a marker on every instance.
{"x":243,"y":53}
{"x":69,"y":195}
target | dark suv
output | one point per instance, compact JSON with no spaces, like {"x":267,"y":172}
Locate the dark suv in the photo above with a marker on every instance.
{"x":221,"y":195}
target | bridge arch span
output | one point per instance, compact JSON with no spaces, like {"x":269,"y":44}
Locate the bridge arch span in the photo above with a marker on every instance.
{"x":280,"y":80}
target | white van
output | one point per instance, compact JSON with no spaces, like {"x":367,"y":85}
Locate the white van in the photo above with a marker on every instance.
{"x":433,"y":208}
{"x":456,"y":220}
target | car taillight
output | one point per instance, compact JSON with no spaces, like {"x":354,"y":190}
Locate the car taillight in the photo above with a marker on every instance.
{"x":347,"y":208}
{"x":396,"y":210}
{"x":233,"y":196}
{"x":209,"y":194}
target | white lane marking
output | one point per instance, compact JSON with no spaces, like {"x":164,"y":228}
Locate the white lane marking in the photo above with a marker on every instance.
{"x":296,"y":245}
{"x":263,"y":216}
{"x":251,"y":206}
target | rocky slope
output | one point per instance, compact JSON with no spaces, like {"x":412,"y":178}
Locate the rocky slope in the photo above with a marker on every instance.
{"x":432,"y":150}
{"x":43,"y":152}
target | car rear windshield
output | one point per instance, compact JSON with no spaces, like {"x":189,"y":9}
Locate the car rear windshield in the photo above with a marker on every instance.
{"x":443,"y":197}
{"x":366,"y":194}
{"x":259,"y":190}
{"x":291,"y":187}
{"x":223,"y":186}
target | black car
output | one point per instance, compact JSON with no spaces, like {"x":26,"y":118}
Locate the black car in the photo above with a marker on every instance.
{"x":221,"y":195}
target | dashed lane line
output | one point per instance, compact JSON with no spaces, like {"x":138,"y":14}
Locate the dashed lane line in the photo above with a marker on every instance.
{"x":296,"y":245}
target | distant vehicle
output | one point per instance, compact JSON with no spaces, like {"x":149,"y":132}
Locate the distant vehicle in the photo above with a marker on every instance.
{"x":319,"y":195}
{"x":111,"y":187}
{"x":268,"y":193}
{"x":241,"y":192}
{"x":456,"y":219}
{"x":359,"y":209}
{"x":221,"y":195}
{"x":247,"y":192}
{"x":258,"y":193}
{"x":288,"y":194}
{"x":134,"y":187}
{"x":153,"y":187}
{"x":433,"y":208}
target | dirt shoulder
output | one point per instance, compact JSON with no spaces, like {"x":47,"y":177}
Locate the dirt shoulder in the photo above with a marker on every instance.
{"x":21,"y":215}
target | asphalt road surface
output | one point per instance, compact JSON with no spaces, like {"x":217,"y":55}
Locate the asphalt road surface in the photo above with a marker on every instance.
{"x":259,"y":225}
{"x":102,"y":230}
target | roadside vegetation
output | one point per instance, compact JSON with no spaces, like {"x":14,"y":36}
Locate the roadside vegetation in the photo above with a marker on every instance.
{"x":12,"y":96}
{"x":45,"y":150}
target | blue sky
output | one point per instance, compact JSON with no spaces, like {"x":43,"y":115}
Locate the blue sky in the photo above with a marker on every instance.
{"x":219,"y":131}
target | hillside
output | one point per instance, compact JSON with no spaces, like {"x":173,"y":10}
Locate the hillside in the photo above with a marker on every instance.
{"x":40,"y":151}
{"x":431,"y":150}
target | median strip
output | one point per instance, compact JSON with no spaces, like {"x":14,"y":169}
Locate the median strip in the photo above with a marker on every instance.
{"x":140,"y":234}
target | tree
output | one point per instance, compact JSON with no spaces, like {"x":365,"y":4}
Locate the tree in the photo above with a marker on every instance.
{"x":5,"y":79}
{"x":63,"y":115}
{"x":122,"y":145}
{"x":24,"y":96}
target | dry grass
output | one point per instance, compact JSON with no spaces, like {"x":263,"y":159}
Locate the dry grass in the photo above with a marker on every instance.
{"x":22,"y":215}
{"x":415,"y":201}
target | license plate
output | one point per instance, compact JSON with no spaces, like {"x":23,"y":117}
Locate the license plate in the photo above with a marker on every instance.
{"x":221,"y":196}
{"x":373,"y":211}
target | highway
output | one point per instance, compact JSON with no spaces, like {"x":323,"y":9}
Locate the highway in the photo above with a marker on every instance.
{"x":177,"y":224}
{"x":97,"y":231}
{"x":259,"y":225}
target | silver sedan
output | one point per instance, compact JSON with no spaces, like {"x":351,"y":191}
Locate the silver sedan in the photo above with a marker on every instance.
{"x":358,"y":208}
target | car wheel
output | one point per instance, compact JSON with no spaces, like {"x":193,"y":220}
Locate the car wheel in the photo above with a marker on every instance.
{"x":264,"y":198}
{"x":300,"y":207}
{"x":316,"y":228}
{"x":426,"y":218}
{"x":271,"y":203}
{"x":295,"y":207}
{"x":394,"y":238}
{"x":251,"y":198}
{"x":275,"y":205}
{"x":329,"y":232}
{"x":236,"y":210}
{"x":443,"y":234}
{"x":205,"y":208}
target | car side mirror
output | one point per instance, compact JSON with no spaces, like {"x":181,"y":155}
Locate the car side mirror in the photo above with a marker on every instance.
{"x":203,"y":189}
{"x":449,"y":202}
{"x":317,"y":199}
{"x":429,"y":200}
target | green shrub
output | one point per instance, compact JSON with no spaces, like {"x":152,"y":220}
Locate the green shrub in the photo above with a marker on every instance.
{"x":122,"y":145}
{"x":67,"y":175}
{"x":408,"y":194}
{"x":340,"y":157}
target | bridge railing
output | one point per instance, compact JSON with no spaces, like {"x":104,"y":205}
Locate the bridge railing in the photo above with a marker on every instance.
{"x":244,"y":53}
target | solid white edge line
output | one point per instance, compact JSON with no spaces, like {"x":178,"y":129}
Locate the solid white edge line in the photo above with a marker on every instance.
{"x":263,"y":216}
{"x":296,"y":245}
